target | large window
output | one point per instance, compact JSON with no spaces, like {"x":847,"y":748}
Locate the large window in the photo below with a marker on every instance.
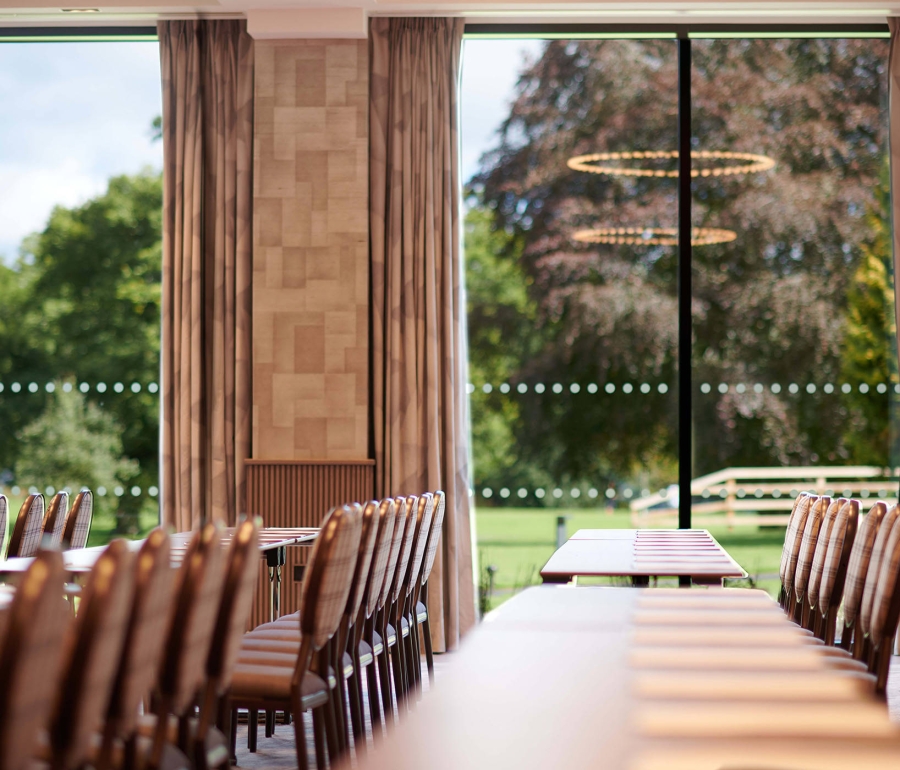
{"x":572,"y":259}
{"x":80,"y":170}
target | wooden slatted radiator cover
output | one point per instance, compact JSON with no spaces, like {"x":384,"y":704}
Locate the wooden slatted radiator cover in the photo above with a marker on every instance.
{"x":299,"y":493}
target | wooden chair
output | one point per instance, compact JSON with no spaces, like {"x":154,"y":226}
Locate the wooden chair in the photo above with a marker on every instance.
{"x":322,"y":602}
{"x":91,"y":663}
{"x":55,"y":519}
{"x":26,"y":535}
{"x":191,"y":624}
{"x":421,"y":614}
{"x":796,"y":586}
{"x":4,"y":519}
{"x":424,"y":517}
{"x":825,"y":595}
{"x":78,"y":522}
{"x":792,"y":538}
{"x":393,"y":627}
{"x":880,"y":621}
{"x":31,"y":651}
{"x":141,"y":656}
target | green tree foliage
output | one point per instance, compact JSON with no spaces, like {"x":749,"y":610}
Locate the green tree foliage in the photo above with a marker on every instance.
{"x":768,"y":309}
{"x":74,"y":444}
{"x":83,"y":305}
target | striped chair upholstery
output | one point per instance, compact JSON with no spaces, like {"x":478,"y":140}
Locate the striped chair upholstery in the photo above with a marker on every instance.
{"x":879,"y":551}
{"x":830,"y":590}
{"x":387,"y":512}
{"x":409,"y":533}
{"x":370,"y":524}
{"x":26,"y":535}
{"x":434,"y":537}
{"x":796,"y":525}
{"x":807,"y":549}
{"x":78,"y":522}
{"x":818,"y":563}
{"x":879,"y":629}
{"x":423,"y":529}
{"x":55,"y":518}
{"x":4,"y":518}
{"x":400,"y":519}
{"x":860,"y":556}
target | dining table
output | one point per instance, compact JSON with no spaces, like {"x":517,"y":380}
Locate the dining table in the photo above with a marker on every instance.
{"x":692,"y":555}
{"x":273,"y":544}
{"x":617,"y":678}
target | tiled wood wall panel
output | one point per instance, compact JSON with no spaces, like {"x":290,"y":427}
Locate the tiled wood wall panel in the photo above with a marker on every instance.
{"x":310,"y":259}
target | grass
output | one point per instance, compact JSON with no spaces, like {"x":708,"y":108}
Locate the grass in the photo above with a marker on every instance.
{"x":518,"y":541}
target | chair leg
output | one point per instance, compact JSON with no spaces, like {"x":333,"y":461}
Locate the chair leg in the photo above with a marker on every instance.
{"x":354,"y":692}
{"x":332,"y":739}
{"x":319,"y":736}
{"x":372,"y":682}
{"x":252,"y":726}
{"x":429,"y":653}
{"x":270,"y":723}
{"x":397,"y":666}
{"x":300,"y":740}
{"x":232,"y":737}
{"x":384,"y":674}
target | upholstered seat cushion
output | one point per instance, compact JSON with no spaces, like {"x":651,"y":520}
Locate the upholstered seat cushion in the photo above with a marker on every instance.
{"x":421,"y":612}
{"x":273,"y":683}
{"x":282,"y":658}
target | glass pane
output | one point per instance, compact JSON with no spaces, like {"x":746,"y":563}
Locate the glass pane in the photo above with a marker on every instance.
{"x":571,"y":280}
{"x":80,"y":254}
{"x":792,"y":361}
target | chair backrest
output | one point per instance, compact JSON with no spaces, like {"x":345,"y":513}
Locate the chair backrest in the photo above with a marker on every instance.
{"x":400,"y":519}
{"x":241,"y":575}
{"x":154,"y":581}
{"x":370,"y":522}
{"x":796,"y":525}
{"x":424,"y":515}
{"x":92,"y":658}
{"x":329,"y":573}
{"x":78,"y":522}
{"x":31,"y":651}
{"x":434,"y":537}
{"x":387,"y":512}
{"x":818,"y":562}
{"x":55,"y":518}
{"x":879,"y":552}
{"x":398,"y":588}
{"x":807,"y":549}
{"x":26,"y":535}
{"x":830,"y":589}
{"x":4,"y":519}
{"x":885,"y":611}
{"x":193,"y":619}
{"x":860,"y":555}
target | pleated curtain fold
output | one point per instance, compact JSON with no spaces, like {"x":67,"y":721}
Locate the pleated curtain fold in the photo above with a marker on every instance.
{"x":207,"y":122}
{"x":419,"y":357}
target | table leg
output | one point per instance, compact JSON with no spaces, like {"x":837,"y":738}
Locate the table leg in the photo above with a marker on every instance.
{"x":640,"y":581}
{"x":275,"y":559}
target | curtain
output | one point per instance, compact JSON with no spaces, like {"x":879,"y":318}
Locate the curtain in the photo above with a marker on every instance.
{"x":419,"y":361}
{"x":207,"y":122}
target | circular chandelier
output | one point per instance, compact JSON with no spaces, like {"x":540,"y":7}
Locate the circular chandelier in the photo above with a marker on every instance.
{"x":653,"y":236}
{"x":732,"y":163}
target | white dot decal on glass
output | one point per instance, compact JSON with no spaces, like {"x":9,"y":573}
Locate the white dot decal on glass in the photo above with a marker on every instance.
{"x":33,"y":490}
{"x":504,"y":388}
{"x":723,"y":388}
{"x":863,"y":388}
{"x":15,"y":387}
{"x":557,"y":493}
{"x":740,"y":387}
{"x":882,"y":388}
{"x":470,"y":388}
{"x":84,"y":387}
{"x":896,"y":388}
{"x":776,"y":388}
{"x":628,"y":494}
{"x":487,"y":492}
{"x":864,"y":493}
{"x":705,"y":388}
{"x":645,"y":387}
{"x":846,"y":387}
{"x":101,"y":491}
{"x":705,"y":494}
{"x":882,"y":493}
{"x":609,"y":387}
{"x":575,"y":493}
{"x":557,"y":387}
{"x":119,"y":491}
{"x":741,"y":493}
{"x":627,"y":387}
{"x":539,"y":388}
{"x":118,"y":387}
{"x":33,"y":387}
{"x":67,"y":387}
{"x":487,"y":387}
{"x":758,"y":388}
{"x":776,"y":493}
{"x":795,"y":492}
{"x":793,"y":388}
{"x":723,"y":493}
{"x":153,"y":491}
{"x":758,"y":493}
{"x":15,"y":490}
{"x":574,"y":387}
{"x":522,"y":387}
{"x":645,"y":493}
{"x":135,"y":387}
{"x":847,"y":493}
{"x":828,"y":387}
{"x":663,"y":388}
{"x":592,"y":493}
{"x":135,"y":491}
{"x":101,"y":387}
{"x":49,"y":491}
{"x":592,"y":387}
{"x":1,"y":387}
{"x":539,"y":494}
{"x":522,"y":492}
{"x":50,"y":387}
{"x":810,"y":388}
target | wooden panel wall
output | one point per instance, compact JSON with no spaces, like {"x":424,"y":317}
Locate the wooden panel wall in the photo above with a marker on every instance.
{"x":298,"y":493}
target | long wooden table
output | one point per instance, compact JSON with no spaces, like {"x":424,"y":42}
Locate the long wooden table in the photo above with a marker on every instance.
{"x":273,"y":542}
{"x":648,"y":679}
{"x":639,"y":554}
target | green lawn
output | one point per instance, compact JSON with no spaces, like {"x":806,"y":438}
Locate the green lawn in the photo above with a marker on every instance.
{"x":518,"y":541}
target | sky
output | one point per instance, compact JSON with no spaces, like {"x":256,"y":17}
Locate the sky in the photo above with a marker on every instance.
{"x":75,"y":114}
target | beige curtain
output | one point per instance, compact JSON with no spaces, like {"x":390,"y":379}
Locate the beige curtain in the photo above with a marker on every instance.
{"x":419,"y":361}
{"x":207,"y":89}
